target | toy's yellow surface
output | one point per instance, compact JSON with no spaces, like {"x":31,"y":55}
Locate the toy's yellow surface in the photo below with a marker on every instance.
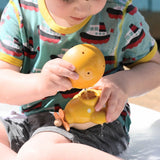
{"x":81,"y":109}
{"x":89,"y":62}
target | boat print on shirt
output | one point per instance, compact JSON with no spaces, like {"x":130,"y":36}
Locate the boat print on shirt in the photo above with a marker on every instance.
{"x":131,"y":10}
{"x":29,"y":50}
{"x":29,"y":108}
{"x":117,"y":13}
{"x":134,"y":37}
{"x":96,"y":35}
{"x":29,"y":5}
{"x":11,"y":48}
{"x":70,"y":93}
{"x":48,"y":35}
{"x":14,"y":48}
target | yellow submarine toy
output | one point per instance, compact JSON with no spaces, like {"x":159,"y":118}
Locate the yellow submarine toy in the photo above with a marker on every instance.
{"x":79,"y":111}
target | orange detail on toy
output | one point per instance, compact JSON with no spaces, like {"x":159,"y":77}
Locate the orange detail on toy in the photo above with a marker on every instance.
{"x":89,"y":62}
{"x":59,"y":120}
{"x":80,"y":113}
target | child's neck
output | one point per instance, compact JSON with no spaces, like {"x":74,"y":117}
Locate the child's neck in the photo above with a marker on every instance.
{"x":60,"y":22}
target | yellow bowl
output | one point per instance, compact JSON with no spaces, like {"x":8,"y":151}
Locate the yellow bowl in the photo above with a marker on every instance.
{"x":89,"y":62}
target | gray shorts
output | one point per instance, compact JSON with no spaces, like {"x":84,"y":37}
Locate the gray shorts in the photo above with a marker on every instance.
{"x":111,"y":138}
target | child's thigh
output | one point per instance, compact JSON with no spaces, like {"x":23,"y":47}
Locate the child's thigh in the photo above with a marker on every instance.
{"x":41,"y":146}
{"x":3,"y":135}
{"x":52,"y":137}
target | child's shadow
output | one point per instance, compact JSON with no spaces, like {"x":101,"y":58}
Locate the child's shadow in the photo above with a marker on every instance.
{"x":144,"y":145}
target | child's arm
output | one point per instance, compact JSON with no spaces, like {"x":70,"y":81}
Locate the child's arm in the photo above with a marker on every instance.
{"x":18,"y":88}
{"x":116,"y":88}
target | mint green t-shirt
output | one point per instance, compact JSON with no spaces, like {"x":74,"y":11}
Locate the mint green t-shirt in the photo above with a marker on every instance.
{"x":29,"y":38}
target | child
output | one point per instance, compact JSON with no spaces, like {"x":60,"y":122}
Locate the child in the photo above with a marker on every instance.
{"x":34,"y":35}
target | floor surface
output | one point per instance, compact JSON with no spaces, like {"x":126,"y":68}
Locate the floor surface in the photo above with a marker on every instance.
{"x":149,"y":100}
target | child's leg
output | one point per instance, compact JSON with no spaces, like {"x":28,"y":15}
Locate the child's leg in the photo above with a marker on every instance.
{"x":5,"y":152}
{"x":49,"y":146}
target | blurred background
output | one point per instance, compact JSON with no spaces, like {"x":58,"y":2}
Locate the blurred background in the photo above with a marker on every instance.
{"x":150,"y":9}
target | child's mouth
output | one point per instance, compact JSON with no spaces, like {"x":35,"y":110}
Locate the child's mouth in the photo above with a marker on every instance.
{"x":78,"y":19}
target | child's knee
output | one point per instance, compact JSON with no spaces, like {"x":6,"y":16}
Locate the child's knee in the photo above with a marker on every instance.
{"x":29,"y":152}
{"x":40,"y":146}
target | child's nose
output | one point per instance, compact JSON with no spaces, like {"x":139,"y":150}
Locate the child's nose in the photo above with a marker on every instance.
{"x":82,"y":8}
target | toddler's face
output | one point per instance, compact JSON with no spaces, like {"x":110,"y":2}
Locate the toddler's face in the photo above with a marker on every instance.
{"x":71,"y":12}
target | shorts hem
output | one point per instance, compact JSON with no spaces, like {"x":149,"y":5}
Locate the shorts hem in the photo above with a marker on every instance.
{"x":55,"y":129}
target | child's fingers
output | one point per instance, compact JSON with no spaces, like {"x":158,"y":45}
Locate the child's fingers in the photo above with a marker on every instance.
{"x":64,"y":72}
{"x":102,"y":100}
{"x":67,"y":65}
{"x":62,"y":68}
{"x":57,"y":83}
{"x":111,"y":113}
{"x":114,"y":109}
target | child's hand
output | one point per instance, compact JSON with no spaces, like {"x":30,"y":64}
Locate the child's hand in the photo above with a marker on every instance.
{"x":112,"y":96}
{"x":55,"y":76}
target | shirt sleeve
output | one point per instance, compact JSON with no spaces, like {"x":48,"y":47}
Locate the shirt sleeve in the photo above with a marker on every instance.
{"x":10,"y":36}
{"x":137,"y":44}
